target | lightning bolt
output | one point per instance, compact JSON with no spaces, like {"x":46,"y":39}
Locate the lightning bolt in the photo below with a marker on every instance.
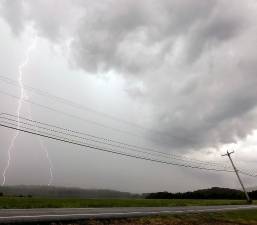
{"x":49,"y":161}
{"x":18,"y":111}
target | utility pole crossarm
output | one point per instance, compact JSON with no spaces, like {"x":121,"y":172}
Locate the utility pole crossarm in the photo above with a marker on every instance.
{"x":228,"y":153}
{"x":237,"y":174}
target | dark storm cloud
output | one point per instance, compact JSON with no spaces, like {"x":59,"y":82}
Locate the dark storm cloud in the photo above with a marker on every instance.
{"x":195,"y":60}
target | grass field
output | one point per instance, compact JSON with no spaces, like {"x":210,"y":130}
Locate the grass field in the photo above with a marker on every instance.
{"x":26,"y":202}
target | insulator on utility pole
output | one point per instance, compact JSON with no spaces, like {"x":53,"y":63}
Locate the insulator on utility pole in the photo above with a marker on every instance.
{"x":237,"y":174}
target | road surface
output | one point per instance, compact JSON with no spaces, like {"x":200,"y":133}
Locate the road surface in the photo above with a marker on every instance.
{"x":62,"y":214}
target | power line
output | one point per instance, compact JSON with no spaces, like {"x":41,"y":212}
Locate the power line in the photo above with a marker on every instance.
{"x":76,"y":136}
{"x":86,"y":134}
{"x":37,"y":130}
{"x":67,"y":140}
{"x":103,"y":140}
{"x":82,"y":107}
{"x":120,"y":144}
{"x":72,"y":141}
{"x":92,"y":122}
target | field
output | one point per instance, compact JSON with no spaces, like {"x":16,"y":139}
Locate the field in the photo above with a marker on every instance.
{"x":26,"y":202}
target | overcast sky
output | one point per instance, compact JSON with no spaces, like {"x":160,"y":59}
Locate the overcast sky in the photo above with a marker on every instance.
{"x":183,"y":72}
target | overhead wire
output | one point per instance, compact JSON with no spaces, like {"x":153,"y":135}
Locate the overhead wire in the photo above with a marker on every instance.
{"x":83,"y":138}
{"x":83,"y":144}
{"x":73,"y":104}
{"x":71,"y":141}
{"x":92,"y":122}
{"x":105,"y":141}
{"x":37,"y":130}
{"x":113,"y":142}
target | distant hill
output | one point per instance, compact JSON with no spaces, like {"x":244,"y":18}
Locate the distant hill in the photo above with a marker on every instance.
{"x":69,"y":192}
{"x":211,"y":193}
{"x":62,"y":192}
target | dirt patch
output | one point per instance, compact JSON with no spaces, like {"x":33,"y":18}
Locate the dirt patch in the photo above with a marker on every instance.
{"x":150,"y":221}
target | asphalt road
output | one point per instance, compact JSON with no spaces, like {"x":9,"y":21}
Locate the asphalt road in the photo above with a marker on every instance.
{"x":62,"y":214}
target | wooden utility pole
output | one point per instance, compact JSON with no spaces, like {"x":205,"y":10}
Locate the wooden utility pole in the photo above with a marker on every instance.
{"x":237,"y":174}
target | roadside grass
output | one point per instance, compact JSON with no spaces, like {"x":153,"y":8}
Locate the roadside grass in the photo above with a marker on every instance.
{"x":230,"y":217}
{"x":243,"y":217}
{"x":34,"y":202}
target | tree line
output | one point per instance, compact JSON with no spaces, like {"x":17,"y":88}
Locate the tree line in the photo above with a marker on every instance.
{"x":211,"y":193}
{"x":67,"y":192}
